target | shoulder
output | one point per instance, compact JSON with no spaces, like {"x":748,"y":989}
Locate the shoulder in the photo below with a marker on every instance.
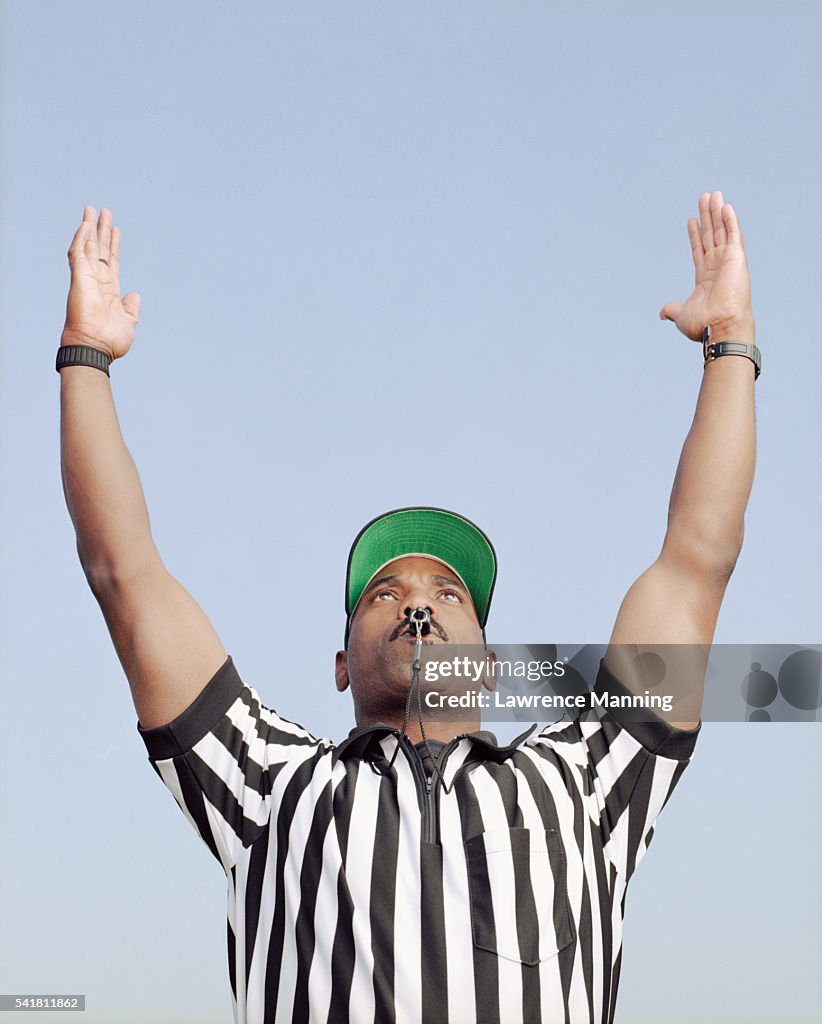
{"x":230,"y":710}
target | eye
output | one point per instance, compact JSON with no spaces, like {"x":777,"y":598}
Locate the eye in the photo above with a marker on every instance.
{"x":454,"y":597}
{"x":385,"y":595}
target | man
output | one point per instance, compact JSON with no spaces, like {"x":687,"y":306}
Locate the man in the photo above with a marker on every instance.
{"x":396,"y":876}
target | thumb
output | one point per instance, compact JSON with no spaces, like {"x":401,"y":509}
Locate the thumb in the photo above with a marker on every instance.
{"x":131,"y":304}
{"x":671,"y":311}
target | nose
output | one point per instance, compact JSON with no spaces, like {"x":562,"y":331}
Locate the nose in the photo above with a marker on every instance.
{"x":417,"y":595}
{"x":419,"y":604}
{"x":418,"y":614}
{"x":420,"y":619}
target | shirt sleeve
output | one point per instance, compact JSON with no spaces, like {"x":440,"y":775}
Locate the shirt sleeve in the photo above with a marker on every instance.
{"x":226,"y":759}
{"x":629,"y":769}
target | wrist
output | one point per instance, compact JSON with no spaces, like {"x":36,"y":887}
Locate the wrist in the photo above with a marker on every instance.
{"x":71,"y":337}
{"x":738,"y":345}
{"x":738,"y":329}
{"x":69,"y":354}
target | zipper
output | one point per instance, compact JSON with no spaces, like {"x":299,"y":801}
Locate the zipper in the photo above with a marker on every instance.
{"x":430,"y":812}
{"x":430,"y":819}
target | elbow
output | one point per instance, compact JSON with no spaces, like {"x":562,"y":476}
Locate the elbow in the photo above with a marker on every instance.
{"x":98,"y":572}
{"x":106,"y":577}
{"x":723,"y":560}
{"x":703,"y":553}
{"x":101,"y":580}
{"x":724,"y":569}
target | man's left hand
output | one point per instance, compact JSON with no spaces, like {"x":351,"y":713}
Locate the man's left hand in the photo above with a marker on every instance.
{"x":721,"y":298}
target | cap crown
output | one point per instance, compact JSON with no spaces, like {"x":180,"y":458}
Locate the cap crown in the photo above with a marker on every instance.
{"x":433,"y":532}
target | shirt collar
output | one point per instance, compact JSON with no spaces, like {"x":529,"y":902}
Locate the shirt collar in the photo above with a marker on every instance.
{"x":483,"y":742}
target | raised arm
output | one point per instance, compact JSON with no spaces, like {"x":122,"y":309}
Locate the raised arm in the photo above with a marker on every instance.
{"x":677,"y":599}
{"x":166,"y":645}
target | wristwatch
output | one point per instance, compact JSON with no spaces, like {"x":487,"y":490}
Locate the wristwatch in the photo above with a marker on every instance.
{"x":82,"y":355}
{"x":714,"y":349}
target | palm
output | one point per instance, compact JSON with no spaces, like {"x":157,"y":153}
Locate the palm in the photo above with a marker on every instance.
{"x":722,"y":288}
{"x":95,"y":313}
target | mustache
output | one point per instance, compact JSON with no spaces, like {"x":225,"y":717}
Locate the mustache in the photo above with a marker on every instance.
{"x":405,"y":628}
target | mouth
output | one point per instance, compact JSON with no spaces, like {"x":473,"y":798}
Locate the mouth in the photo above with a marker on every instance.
{"x":409,"y":634}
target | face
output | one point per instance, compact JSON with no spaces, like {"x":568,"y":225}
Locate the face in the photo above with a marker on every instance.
{"x":377,"y":664}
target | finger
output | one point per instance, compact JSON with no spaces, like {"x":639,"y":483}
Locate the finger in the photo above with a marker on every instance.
{"x":670,"y":311}
{"x":706,"y":227}
{"x":720,"y":234}
{"x":90,"y":247}
{"x":732,"y":225}
{"x":131,"y":304}
{"x":104,"y":235}
{"x":76,"y":251}
{"x":114,"y":250}
{"x":696,"y":243}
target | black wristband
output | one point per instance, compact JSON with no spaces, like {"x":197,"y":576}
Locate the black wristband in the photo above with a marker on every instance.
{"x":82,"y":355}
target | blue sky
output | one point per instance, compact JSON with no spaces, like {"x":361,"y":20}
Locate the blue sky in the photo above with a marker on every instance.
{"x":353,"y":226}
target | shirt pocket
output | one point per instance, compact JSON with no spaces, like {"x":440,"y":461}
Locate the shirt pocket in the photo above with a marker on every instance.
{"x":518,"y":893}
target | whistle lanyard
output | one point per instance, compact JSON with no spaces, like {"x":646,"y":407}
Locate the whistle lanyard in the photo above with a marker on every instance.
{"x":420,"y":620}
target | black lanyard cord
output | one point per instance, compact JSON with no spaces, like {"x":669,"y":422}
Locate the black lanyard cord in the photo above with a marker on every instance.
{"x":419,"y":619}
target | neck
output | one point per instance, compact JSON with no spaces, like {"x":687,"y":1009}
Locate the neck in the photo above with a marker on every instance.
{"x":444,"y":731}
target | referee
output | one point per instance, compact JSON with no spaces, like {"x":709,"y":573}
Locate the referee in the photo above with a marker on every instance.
{"x":416,"y":872}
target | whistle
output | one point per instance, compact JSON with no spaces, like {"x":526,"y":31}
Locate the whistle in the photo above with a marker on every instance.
{"x":420,"y":620}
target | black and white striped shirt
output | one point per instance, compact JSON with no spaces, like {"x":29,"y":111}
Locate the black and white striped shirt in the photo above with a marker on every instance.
{"x":366,"y":893}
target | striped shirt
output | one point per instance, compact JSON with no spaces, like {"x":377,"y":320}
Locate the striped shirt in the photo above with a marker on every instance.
{"x":366,"y":892}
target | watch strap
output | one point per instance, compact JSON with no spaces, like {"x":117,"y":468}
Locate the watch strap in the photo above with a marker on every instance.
{"x":82,"y":355}
{"x":714,"y":349}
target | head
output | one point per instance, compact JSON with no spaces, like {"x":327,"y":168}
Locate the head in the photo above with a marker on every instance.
{"x":408,"y":559}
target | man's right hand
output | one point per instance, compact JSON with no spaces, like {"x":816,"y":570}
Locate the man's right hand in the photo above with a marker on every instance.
{"x":95,"y":313}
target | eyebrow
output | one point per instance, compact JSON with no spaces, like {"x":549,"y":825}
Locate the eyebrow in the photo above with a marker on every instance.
{"x":379,"y":583}
{"x":444,"y":581}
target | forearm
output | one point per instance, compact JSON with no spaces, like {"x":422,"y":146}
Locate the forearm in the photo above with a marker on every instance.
{"x":100,"y":480}
{"x":716,"y":469}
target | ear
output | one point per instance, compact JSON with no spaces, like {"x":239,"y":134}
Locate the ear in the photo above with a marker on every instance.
{"x":341,"y":670}
{"x":490,"y":679}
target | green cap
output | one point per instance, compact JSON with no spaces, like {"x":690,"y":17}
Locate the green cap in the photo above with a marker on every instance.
{"x":433,"y":532}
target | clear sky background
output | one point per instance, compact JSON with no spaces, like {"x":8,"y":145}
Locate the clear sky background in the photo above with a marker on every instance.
{"x":399,"y":254}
